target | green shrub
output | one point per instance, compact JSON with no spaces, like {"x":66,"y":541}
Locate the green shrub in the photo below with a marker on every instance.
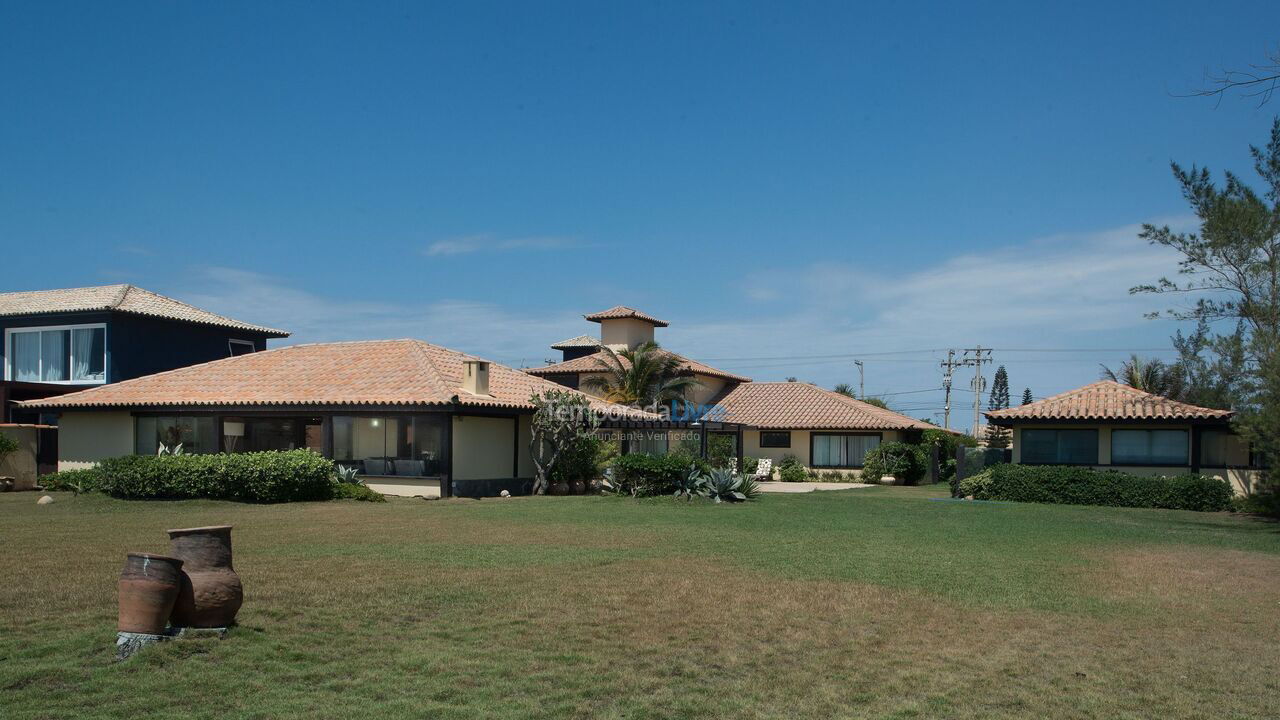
{"x":1263,"y":502}
{"x":905,"y":462}
{"x":722,"y":450}
{"x":356,"y":491}
{"x":750,"y":465}
{"x":788,"y":460}
{"x":1068,"y":485}
{"x":77,"y":481}
{"x":642,"y":475}
{"x":266,"y":477}
{"x":793,"y":472}
{"x":577,"y":461}
{"x":8,"y":445}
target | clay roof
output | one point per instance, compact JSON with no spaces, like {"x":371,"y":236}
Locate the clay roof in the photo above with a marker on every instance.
{"x":622,"y":311}
{"x":377,"y":372}
{"x":802,"y":406}
{"x":1105,"y":400}
{"x":577,"y":342}
{"x":591,"y":363}
{"x":118,"y":298}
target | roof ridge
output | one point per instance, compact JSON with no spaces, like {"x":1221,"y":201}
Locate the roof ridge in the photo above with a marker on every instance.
{"x":434,"y":372}
{"x":123,"y":293}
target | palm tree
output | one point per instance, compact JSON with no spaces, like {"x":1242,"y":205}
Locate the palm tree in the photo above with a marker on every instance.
{"x":1148,"y":375}
{"x":641,"y":377}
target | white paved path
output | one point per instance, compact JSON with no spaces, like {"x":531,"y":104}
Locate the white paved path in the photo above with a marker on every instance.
{"x":804,"y":487}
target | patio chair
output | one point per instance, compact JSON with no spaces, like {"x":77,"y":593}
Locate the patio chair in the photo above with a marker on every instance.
{"x":764,"y":470}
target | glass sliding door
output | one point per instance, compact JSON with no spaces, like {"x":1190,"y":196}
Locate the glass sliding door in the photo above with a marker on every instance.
{"x":195,"y":435}
{"x":396,"y":445}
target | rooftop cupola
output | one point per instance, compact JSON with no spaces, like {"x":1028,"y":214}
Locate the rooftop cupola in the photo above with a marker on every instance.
{"x":622,"y":327}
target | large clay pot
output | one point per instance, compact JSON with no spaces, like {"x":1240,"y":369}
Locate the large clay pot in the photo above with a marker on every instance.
{"x":558,"y":488}
{"x":149,"y":586}
{"x":211,"y":591}
{"x":577,"y":487}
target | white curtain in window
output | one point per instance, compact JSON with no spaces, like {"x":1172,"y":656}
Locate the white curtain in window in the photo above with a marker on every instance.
{"x":87,"y":349}
{"x":53,"y":356}
{"x":828,"y":451}
{"x":25,"y":363}
{"x":859,"y":446}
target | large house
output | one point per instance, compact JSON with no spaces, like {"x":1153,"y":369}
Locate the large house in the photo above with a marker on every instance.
{"x":413,"y":418}
{"x":821,"y":428}
{"x":1108,"y":425}
{"x":59,"y":341}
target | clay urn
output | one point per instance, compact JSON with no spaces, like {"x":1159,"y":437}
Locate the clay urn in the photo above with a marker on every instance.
{"x":559,"y":487}
{"x":148,"y":587}
{"x":211,"y":592}
{"x":577,"y":486}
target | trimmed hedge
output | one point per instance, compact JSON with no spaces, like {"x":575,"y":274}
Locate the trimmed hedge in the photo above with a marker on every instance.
{"x":641,"y":474}
{"x":907,"y":463}
{"x":1066,"y":485}
{"x":262,"y":477}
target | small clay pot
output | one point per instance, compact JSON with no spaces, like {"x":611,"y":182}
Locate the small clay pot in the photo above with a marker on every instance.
{"x":148,"y":587}
{"x":211,"y":592}
{"x":577,"y":487}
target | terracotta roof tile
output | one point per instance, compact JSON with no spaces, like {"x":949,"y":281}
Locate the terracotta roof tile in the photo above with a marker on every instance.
{"x":378,"y":372}
{"x":591,"y":363}
{"x":577,"y":342}
{"x":1106,"y":400}
{"x":622,"y":311}
{"x":802,"y":406}
{"x":119,"y":298}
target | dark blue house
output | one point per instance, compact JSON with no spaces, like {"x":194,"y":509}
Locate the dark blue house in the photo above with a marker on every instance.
{"x":59,"y":341}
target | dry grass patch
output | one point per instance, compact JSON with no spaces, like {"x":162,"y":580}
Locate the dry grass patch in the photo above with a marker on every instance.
{"x":861,"y":605}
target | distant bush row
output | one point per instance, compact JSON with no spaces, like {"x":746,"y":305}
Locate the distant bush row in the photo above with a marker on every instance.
{"x":263,"y":477}
{"x":1065,"y":485}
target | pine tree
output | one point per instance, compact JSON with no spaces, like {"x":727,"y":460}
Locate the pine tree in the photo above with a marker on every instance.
{"x":1026,"y":397}
{"x":998,"y":437}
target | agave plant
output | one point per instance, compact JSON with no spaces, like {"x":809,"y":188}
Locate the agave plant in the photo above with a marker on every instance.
{"x":691,"y":483}
{"x":748,"y":487}
{"x":349,"y":474}
{"x":724,"y":486}
{"x":169,"y":449}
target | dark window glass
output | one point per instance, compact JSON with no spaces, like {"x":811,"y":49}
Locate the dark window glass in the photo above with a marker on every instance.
{"x":775,"y":439}
{"x":397,"y":445}
{"x":1059,"y":447}
{"x":196,"y":435}
{"x":1149,"y":447}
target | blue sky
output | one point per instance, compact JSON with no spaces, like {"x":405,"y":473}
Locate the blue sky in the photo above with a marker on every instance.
{"x":781,"y":180}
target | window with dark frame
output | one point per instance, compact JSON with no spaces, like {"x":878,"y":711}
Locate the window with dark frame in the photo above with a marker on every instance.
{"x":775,"y":439}
{"x":240,"y":347}
{"x":1059,"y":447}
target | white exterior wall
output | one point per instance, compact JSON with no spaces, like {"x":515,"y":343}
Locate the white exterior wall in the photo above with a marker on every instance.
{"x":84,"y":438}
{"x":483,"y":447}
{"x":624,"y":333}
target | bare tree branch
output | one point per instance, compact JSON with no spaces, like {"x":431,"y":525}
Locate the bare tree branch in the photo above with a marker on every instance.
{"x":1260,"y":81}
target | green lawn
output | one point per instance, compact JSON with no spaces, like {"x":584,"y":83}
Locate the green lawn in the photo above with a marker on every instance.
{"x":884,"y":602}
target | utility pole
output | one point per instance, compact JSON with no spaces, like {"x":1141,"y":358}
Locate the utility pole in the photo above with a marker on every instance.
{"x":862,"y":388}
{"x":979,"y":383}
{"x":948,"y":366}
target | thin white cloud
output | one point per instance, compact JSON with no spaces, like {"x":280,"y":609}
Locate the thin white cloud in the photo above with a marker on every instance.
{"x":488,"y":243}
{"x":502,"y":335}
{"x":1064,"y":291}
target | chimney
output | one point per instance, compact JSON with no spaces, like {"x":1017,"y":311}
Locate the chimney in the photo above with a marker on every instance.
{"x":475,"y":376}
